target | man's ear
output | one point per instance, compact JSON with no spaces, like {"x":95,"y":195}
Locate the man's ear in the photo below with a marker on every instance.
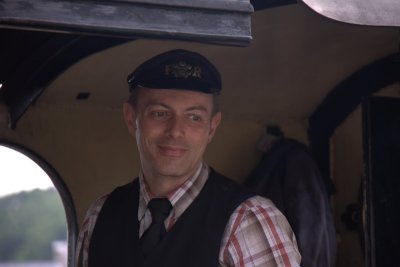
{"x":130,"y":117}
{"x":215,"y":121}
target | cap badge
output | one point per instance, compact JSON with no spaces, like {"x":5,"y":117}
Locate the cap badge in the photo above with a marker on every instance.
{"x":183,"y":70}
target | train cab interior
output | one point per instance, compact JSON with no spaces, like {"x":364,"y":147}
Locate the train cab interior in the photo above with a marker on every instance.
{"x":323,"y":73}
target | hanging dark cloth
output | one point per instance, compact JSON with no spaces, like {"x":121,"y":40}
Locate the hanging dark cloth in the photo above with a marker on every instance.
{"x":288,"y":175}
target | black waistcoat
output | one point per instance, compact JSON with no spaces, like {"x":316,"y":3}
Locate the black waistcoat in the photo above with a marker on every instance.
{"x":193,"y":241}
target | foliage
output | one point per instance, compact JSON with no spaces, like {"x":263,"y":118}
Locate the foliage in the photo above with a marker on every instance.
{"x":29,"y":222}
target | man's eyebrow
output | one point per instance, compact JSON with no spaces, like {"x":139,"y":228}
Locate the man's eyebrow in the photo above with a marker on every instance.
{"x":153,"y":104}
{"x":199,"y":107}
{"x":193,"y":108}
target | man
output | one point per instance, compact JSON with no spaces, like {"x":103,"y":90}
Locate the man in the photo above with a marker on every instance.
{"x":180,"y":212}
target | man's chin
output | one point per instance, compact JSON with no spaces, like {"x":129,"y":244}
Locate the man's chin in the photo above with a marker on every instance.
{"x":173,"y":171}
{"x":173,"y":167}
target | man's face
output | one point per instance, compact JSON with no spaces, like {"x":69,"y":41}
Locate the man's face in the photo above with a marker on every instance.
{"x":172,"y":130}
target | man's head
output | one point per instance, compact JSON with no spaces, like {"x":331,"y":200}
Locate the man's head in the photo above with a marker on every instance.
{"x":177,"y":69}
{"x":173,"y":112}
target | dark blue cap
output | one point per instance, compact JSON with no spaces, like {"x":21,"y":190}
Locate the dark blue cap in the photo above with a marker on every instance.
{"x":177,"y":69}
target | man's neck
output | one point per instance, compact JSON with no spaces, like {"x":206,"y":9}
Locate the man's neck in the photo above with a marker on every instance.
{"x":164,"y":186}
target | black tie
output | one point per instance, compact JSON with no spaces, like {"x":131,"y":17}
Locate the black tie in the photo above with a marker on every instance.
{"x":159,"y":209}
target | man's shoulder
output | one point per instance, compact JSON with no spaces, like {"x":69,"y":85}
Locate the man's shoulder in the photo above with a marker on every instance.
{"x":246,"y":198}
{"x":98,"y":204}
{"x":256,"y":202}
{"x":126,"y":186}
{"x":228,"y":188}
{"x":225,"y":184}
{"x":124,"y":189}
{"x":222,"y":179}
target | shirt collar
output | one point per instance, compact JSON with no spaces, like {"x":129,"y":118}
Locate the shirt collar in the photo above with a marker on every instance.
{"x":181,"y":198}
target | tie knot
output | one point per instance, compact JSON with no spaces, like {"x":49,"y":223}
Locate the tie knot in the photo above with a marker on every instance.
{"x":160,"y":209}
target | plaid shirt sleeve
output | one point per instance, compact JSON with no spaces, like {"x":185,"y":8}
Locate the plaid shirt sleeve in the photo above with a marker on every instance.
{"x":258,"y":235}
{"x":83,"y":241}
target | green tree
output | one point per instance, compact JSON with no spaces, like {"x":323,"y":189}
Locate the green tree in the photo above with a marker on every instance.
{"x":29,"y":222}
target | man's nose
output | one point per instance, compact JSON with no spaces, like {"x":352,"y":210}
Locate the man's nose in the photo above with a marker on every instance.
{"x":175,"y":127}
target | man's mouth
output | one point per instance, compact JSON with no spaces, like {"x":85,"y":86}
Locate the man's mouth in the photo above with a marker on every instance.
{"x":172,"y":151}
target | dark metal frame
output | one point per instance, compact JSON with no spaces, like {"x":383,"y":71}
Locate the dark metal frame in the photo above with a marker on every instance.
{"x":367,"y":201}
{"x":343,"y":100}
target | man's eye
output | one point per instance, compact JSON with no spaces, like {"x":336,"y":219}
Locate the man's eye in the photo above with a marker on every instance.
{"x":158,"y":114}
{"x":194,"y":117}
